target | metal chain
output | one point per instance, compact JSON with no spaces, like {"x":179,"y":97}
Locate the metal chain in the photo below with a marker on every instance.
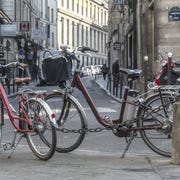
{"x":92,"y":130}
{"x":110,"y":127}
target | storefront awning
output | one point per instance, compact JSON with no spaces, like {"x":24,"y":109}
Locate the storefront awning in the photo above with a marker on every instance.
{"x":4,"y":18}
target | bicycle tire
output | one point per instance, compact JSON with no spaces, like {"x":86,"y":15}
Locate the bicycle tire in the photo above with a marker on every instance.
{"x":71,"y":119}
{"x":42,"y":141}
{"x":158,"y":140}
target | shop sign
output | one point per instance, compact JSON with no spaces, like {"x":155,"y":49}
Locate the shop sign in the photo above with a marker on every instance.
{"x":8,"y":30}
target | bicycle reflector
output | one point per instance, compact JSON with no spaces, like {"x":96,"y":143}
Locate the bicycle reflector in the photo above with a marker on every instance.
{"x":53,"y":116}
{"x":41,"y":95}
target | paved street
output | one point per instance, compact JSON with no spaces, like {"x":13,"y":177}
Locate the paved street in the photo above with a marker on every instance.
{"x":98,"y":157}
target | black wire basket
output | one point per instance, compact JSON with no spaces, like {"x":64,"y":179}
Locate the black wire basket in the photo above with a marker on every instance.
{"x":56,"y":70}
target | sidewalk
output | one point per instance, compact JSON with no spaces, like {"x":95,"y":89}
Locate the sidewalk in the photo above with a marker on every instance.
{"x":157,"y":164}
{"x":80,"y":165}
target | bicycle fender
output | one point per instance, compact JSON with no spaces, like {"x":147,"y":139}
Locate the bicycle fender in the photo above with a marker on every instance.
{"x":49,"y":111}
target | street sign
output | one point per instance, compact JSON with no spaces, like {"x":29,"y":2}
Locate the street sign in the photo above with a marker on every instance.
{"x":119,"y":2}
{"x":39,"y":34}
{"x":24,"y":26}
{"x":21,"y":54}
{"x":117,"y":46}
{"x":174,"y":14}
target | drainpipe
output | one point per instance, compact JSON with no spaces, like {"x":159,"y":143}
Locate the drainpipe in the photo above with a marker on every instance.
{"x":139,"y":33}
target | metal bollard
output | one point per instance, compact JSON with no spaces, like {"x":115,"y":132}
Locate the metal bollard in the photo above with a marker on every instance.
{"x":175,"y":158}
{"x":146,"y":58}
{"x":169,"y":67}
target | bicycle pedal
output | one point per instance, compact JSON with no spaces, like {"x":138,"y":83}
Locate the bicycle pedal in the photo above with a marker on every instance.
{"x":7,"y":146}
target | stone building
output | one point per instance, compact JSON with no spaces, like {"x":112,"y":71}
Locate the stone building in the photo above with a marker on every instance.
{"x":143,"y":28}
{"x":35,"y":20}
{"x":84,"y":23}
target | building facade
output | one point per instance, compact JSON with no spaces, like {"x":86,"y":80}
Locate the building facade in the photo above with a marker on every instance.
{"x":143,"y":28}
{"x":35,"y":21}
{"x":84,"y":23}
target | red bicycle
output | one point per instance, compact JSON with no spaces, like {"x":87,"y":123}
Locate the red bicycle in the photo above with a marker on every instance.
{"x":152,"y":117}
{"x":34,"y":120}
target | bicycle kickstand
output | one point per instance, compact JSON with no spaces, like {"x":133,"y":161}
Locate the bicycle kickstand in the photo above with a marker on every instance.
{"x":128,"y":141}
{"x":13,"y":145}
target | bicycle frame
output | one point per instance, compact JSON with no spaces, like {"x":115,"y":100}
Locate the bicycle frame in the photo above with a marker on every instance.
{"x":77,"y":82}
{"x":5,"y":103}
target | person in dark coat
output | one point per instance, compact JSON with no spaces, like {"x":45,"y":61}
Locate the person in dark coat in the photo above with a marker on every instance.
{"x":104,"y":71}
{"x":115,"y":68}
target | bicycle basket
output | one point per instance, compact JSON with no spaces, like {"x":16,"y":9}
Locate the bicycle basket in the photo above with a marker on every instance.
{"x":56,"y":69}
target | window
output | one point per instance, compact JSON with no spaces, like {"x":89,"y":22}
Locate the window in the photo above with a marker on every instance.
{"x":90,"y":10}
{"x":62,"y":30}
{"x":68,"y":31}
{"x":73,"y":35}
{"x":98,"y":41}
{"x":67,"y":4}
{"x":82,"y":35}
{"x":91,"y":37}
{"x":82,"y":7}
{"x":102,"y":17}
{"x":94,"y":12}
{"x":52,"y":40}
{"x":95,"y":39}
{"x":48,"y":13}
{"x":87,"y":36}
{"x":72,"y":5}
{"x":41,"y":8}
{"x":87,"y":8}
{"x":105,"y":37}
{"x":78,"y":34}
{"x":77,"y":6}
{"x":98,"y":15}
{"x":102,"y":44}
{"x":105,"y":17}
{"x":52,"y":15}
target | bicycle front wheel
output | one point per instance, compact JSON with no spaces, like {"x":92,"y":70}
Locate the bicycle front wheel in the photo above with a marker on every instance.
{"x":42,"y":139}
{"x":158,"y":139}
{"x":71,"y":120}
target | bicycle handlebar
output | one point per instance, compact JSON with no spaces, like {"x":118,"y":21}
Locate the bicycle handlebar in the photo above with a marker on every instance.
{"x":72,"y":55}
{"x":13,"y":64}
{"x":47,"y":51}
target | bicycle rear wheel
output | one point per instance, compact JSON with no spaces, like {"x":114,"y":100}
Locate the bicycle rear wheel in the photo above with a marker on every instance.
{"x":71,"y":119}
{"x":42,"y":140}
{"x":159,"y":139}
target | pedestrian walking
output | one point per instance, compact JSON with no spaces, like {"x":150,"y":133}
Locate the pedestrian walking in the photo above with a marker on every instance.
{"x":115,"y":68}
{"x":104,"y":71}
{"x":115,"y":72}
{"x":35,"y":72}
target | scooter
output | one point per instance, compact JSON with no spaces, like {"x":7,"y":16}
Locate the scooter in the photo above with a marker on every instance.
{"x":161,"y":77}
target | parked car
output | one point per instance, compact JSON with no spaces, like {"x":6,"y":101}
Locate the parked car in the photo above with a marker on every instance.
{"x":86,"y":71}
{"x":98,"y":69}
{"x":91,"y":70}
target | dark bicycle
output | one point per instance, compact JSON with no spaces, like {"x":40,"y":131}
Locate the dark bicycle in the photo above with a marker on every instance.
{"x":151,"y":116}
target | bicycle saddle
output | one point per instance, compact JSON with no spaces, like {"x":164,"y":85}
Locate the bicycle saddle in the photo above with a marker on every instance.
{"x":18,"y":80}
